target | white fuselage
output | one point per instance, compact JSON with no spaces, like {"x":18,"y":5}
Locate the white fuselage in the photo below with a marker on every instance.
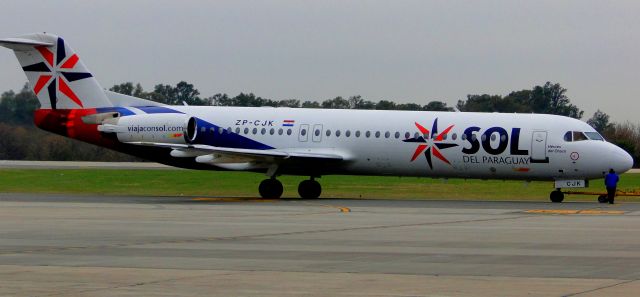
{"x":374,"y":142}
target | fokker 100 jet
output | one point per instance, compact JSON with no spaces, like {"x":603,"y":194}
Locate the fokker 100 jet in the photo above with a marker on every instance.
{"x":311,"y":142}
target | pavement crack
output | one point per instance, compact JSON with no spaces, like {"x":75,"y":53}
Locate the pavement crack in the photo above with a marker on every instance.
{"x":601,"y":288}
{"x":129,"y":285}
{"x":251,"y":236}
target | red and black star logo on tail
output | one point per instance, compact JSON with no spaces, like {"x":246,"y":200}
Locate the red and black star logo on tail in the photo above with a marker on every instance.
{"x":58,"y":77}
{"x":431,"y":142}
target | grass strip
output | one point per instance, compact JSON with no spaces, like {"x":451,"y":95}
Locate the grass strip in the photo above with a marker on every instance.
{"x":243,"y":184}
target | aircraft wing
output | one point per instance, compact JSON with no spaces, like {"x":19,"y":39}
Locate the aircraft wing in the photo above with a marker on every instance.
{"x":216,"y":154}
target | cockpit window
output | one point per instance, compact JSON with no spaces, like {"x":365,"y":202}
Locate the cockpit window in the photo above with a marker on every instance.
{"x":594,"y":136}
{"x":579,"y":136}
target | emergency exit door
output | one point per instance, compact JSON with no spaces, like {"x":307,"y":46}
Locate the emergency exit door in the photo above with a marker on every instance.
{"x":317,"y":133}
{"x":303,"y":135}
{"x":539,"y":147}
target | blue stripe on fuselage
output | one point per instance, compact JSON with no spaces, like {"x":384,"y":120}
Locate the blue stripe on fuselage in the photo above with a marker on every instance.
{"x":157,"y":109}
{"x":212,"y":136}
{"x":208,"y":137}
{"x":122,"y":110}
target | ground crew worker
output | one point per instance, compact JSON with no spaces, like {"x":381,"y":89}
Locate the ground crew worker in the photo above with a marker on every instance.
{"x":611,"y":181}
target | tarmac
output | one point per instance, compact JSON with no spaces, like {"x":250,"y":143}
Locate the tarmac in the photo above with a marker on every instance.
{"x":61,"y":245}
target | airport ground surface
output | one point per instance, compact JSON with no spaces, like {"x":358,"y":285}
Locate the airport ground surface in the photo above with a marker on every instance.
{"x":60,"y":245}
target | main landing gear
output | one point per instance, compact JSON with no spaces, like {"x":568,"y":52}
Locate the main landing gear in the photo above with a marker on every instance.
{"x":309,"y":189}
{"x":271,"y":188}
{"x":556,"y":196}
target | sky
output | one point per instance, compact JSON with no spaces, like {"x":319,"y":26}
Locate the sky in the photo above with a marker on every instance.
{"x":405,"y":51}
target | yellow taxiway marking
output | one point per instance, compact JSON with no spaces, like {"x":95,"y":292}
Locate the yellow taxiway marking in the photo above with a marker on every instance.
{"x":576,"y":211}
{"x":232,"y":199}
{"x":341,"y":208}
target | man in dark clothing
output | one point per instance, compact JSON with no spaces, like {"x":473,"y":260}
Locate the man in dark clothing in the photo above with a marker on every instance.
{"x":611,"y":181}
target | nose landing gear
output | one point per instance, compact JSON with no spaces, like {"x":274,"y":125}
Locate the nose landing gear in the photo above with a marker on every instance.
{"x":603,"y":199}
{"x":556,"y":196}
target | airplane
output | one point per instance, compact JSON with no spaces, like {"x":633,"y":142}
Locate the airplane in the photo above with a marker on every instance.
{"x":311,"y":142}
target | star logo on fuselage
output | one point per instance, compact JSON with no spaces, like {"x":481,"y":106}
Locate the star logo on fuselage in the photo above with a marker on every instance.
{"x":431,"y":142}
{"x":58,"y":72}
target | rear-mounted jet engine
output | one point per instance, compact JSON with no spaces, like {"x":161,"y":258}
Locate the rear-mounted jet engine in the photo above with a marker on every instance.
{"x":163,"y":128}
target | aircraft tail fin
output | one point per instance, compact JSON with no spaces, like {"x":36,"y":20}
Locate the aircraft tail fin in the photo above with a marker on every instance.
{"x":55,"y":72}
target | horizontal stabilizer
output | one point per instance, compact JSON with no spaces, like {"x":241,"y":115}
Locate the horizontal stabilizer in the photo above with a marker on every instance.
{"x":125,"y":100}
{"x":21,"y":44}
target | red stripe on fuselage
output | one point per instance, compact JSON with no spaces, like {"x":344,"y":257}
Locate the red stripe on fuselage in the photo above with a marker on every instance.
{"x":68,"y":122}
{"x":441,"y":135}
{"x":422,"y":129}
{"x":419,"y":150}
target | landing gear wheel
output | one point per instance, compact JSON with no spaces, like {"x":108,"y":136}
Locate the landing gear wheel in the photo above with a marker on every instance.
{"x":603,"y":199}
{"x":556,"y":196}
{"x":270,"y":188}
{"x":309,"y":189}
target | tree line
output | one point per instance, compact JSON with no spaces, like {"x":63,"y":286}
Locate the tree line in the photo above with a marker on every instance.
{"x":21,"y":140}
{"x":185,"y":92}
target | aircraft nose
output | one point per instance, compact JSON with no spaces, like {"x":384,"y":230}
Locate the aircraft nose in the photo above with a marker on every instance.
{"x":621,"y":160}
